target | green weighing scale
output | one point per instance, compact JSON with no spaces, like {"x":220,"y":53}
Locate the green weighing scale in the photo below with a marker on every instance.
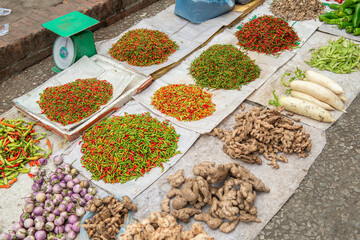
{"x":74,"y":40}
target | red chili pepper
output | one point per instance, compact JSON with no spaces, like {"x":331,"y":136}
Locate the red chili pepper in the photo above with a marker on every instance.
{"x":12,"y":181}
{"x":30,"y":175}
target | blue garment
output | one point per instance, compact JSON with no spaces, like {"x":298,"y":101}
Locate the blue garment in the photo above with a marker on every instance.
{"x":198,"y":11}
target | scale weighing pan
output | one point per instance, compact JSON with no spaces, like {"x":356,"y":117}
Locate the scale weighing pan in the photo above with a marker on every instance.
{"x":74,"y":40}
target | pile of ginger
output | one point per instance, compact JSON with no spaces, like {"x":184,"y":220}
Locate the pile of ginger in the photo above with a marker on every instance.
{"x":230,"y":203}
{"x":267,"y":132}
{"x":163,"y":226}
{"x":110,"y":216}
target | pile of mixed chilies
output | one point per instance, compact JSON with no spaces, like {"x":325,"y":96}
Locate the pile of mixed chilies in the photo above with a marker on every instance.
{"x":123,"y":148}
{"x":74,"y":101}
{"x":17,"y":148}
{"x":183,"y":102}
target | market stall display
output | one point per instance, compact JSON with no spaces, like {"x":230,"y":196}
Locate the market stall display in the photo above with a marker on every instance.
{"x":130,"y":152}
{"x":73,"y":154}
{"x":125,"y":83}
{"x":346,"y":81}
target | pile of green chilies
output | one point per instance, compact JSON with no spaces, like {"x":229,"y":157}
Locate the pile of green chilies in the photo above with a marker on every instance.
{"x":17,"y":147}
{"x":74,"y":101}
{"x":123,"y":148}
{"x":340,"y":56}
{"x":143,"y":47}
{"x":223,"y":66}
{"x":184,"y":102}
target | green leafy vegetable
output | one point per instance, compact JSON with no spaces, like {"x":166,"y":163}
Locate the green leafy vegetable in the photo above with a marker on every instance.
{"x":275,"y":101}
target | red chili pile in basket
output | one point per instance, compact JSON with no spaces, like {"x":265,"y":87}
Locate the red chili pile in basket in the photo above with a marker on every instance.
{"x":183,"y":102}
{"x":267,"y":34}
{"x":143,"y":47}
{"x":74,"y":101}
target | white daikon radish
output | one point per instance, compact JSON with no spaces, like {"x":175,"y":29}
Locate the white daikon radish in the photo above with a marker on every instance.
{"x":342,"y":97}
{"x":311,"y":99}
{"x":306,"y":109}
{"x":319,"y":92}
{"x":324,"y":81}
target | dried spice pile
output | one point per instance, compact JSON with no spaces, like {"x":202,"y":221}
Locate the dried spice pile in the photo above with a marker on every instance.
{"x":143,"y":47}
{"x":183,"y":102}
{"x":223,"y":66}
{"x":267,"y":34}
{"x":72,"y":102}
{"x":297,"y":10}
{"x":123,"y":148}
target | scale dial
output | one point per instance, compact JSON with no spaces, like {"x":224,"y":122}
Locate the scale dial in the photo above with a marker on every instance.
{"x":64,"y":52}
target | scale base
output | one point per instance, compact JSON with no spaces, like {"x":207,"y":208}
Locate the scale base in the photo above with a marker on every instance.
{"x":56,"y":69}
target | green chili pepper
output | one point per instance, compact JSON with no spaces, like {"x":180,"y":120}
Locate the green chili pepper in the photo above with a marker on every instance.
{"x":356,"y":16}
{"x":356,"y":31}
{"x":349,"y":29}
{"x":348,"y":3}
{"x":342,"y":25}
{"x":348,"y":11}
{"x":334,"y":6}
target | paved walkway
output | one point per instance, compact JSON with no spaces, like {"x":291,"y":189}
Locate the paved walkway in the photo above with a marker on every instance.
{"x":325,"y":206}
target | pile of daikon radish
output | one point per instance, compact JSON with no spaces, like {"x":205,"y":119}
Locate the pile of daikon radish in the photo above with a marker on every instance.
{"x":313,"y":96}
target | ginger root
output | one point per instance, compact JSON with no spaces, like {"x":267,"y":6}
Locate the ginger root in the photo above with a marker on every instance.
{"x":267,"y":132}
{"x":176,"y":179}
{"x":111,"y":215}
{"x":162,"y":226}
{"x":232,"y":202}
{"x":212,"y":222}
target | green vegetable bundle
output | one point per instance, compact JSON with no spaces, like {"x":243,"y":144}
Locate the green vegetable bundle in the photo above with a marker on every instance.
{"x":345,"y":16}
{"x":340,"y":56}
